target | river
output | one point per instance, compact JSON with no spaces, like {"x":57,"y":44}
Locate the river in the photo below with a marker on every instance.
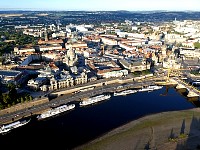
{"x":79,"y":126}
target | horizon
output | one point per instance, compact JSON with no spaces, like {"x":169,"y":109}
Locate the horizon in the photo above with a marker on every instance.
{"x":104,"y":5}
{"x":14,"y":9}
{"x":37,"y":10}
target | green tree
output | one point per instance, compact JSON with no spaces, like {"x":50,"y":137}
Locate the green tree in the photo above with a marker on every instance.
{"x":197,"y":45}
{"x":11,"y":86}
{"x":18,"y":100}
{"x":26,"y":98}
{"x":30,"y":98}
{"x":5,"y":98}
{"x":1,"y":106}
{"x":22,"y":99}
{"x":13,"y":103}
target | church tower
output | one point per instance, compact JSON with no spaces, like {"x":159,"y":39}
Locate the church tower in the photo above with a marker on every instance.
{"x":71,"y":57}
{"x":45,"y":34}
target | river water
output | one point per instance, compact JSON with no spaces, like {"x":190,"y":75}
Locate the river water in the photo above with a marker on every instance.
{"x":79,"y":126}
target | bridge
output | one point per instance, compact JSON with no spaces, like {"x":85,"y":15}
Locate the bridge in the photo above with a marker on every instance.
{"x":192,"y":91}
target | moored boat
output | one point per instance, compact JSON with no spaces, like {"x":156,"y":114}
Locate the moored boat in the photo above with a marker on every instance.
{"x":55,"y":111}
{"x":16,"y":124}
{"x":94,"y":99}
{"x":155,"y":87}
{"x":150,"y":88}
{"x":145,"y":89}
{"x":124,"y":92}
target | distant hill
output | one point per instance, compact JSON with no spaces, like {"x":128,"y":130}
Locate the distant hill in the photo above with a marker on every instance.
{"x":96,"y":17}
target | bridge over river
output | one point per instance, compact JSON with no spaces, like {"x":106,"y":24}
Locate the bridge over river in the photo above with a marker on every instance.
{"x":192,"y":91}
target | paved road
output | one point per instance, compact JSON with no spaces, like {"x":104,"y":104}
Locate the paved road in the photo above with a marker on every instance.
{"x":69,"y":98}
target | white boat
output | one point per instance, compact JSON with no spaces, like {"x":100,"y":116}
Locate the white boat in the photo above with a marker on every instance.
{"x":94,"y":99}
{"x":4,"y":130}
{"x":155,"y":87}
{"x":124,"y":92}
{"x":150,"y":88}
{"x":145,"y":89}
{"x":8,"y":127}
{"x":55,"y":111}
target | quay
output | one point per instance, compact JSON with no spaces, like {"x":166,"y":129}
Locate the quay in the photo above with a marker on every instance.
{"x":75,"y":94}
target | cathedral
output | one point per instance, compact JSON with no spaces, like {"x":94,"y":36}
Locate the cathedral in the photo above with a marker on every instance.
{"x":71,"y":57}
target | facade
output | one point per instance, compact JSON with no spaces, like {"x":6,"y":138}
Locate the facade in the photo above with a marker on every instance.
{"x":115,"y":73}
{"x":109,"y":40}
{"x":80,"y":79}
{"x":134,"y":66}
{"x":188,"y":44}
{"x":37,"y":83}
{"x":190,"y":53}
{"x":71,"y":57}
{"x":128,"y":47}
{"x":76,"y":45}
{"x":51,"y":47}
{"x":65,"y":81}
{"x":20,"y":51}
{"x":175,"y":38}
{"x":46,"y":41}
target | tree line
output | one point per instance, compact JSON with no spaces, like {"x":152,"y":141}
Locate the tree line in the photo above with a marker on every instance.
{"x":16,"y":38}
{"x":11,"y":97}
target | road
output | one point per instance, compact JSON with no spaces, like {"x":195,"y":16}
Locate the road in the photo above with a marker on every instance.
{"x":64,"y":99}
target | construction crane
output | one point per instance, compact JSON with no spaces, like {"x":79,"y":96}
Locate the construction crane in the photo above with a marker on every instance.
{"x":169,"y":71}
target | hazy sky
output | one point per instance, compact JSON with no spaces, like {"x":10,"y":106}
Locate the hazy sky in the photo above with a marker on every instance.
{"x":131,"y":5}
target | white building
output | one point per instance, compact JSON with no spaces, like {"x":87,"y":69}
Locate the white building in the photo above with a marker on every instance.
{"x":119,"y":73}
{"x":175,"y":38}
{"x":59,"y":34}
{"x":23,"y":50}
{"x":81,"y":28}
{"x":50,"y":47}
{"x":190,"y":53}
{"x":134,"y":35}
{"x":109,"y":40}
{"x":186,"y":30}
{"x":188,"y":44}
{"x":129,"y":47}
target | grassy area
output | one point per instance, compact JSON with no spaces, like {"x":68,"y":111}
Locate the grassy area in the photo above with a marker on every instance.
{"x":195,"y":72}
{"x":139,"y":73}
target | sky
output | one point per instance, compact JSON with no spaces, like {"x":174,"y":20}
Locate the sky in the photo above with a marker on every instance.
{"x":101,"y":5}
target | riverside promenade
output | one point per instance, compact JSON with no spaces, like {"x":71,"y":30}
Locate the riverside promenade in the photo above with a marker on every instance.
{"x":72,"y":94}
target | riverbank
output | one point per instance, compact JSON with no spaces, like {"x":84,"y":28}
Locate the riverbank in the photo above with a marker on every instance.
{"x":166,"y":130}
{"x":67,"y":95}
